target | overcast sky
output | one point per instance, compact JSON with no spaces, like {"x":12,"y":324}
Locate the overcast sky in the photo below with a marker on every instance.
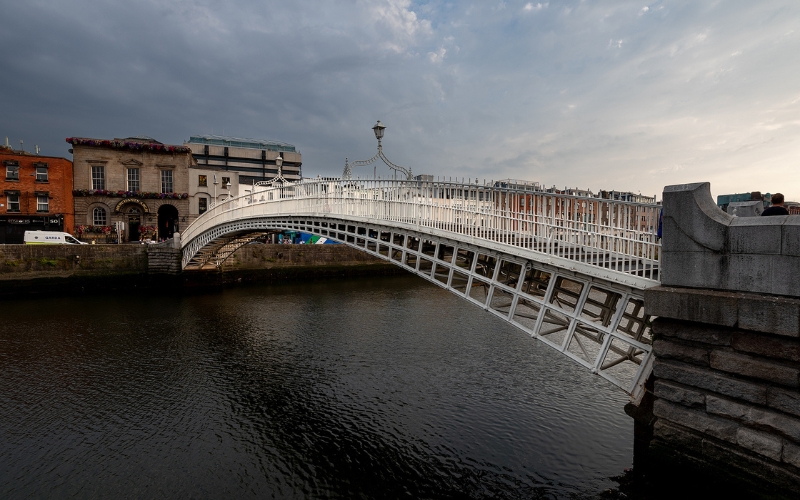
{"x":599,"y":95}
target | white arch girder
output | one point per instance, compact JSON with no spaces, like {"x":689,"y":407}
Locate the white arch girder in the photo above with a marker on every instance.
{"x":598,"y":323}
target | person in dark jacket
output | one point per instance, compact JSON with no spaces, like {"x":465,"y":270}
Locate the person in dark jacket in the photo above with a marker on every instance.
{"x":777,"y":207}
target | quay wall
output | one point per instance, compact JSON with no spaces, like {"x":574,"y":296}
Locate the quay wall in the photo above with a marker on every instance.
{"x":726,"y":375}
{"x":31,"y":270}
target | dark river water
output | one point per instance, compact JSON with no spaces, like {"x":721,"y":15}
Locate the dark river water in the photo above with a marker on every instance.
{"x":370,"y":388}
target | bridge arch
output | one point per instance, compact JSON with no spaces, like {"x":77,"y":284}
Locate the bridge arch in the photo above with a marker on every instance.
{"x":596,"y":318}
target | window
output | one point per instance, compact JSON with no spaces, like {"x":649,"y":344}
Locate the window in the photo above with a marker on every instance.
{"x":202,"y":181}
{"x":203,"y":205}
{"x":12,"y":171}
{"x":133,"y":179}
{"x":99,"y":216}
{"x":13,"y":201}
{"x":42,"y":203}
{"x":166,"y":181}
{"x":98,"y":177}
{"x":41,"y":173}
{"x":225,"y":182}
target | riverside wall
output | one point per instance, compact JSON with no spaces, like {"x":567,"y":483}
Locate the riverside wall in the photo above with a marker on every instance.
{"x":38,"y":270}
{"x":727,"y":347}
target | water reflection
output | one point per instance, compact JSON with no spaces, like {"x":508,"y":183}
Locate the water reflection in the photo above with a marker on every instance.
{"x":365,"y":388}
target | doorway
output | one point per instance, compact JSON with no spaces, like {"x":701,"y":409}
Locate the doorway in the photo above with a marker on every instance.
{"x":134,"y":216}
{"x":167,"y":221}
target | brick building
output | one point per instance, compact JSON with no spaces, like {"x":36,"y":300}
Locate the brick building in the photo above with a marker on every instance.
{"x":137,"y":180}
{"x":37,"y":194}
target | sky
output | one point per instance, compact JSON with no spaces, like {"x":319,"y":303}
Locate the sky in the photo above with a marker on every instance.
{"x":622,"y":95}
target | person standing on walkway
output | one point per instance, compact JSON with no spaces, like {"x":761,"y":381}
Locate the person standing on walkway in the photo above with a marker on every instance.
{"x":777,"y":207}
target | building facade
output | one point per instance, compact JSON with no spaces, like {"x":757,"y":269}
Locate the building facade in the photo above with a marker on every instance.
{"x":137,"y":181}
{"x":37,"y":194}
{"x":229,"y":166}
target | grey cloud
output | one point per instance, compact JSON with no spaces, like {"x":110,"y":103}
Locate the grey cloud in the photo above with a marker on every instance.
{"x":693,"y":92}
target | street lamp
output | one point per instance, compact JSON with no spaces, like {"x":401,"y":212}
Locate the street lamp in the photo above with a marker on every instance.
{"x":279,"y":176}
{"x":378,"y":129}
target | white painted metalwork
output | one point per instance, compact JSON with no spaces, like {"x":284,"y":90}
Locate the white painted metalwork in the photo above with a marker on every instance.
{"x":347,"y":174}
{"x":568,"y":270}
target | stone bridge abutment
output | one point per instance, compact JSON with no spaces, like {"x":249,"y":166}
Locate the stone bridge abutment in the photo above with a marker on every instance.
{"x":727,"y":343}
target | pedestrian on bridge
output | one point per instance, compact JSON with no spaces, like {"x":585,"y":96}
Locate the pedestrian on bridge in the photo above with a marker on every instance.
{"x":777,"y":207}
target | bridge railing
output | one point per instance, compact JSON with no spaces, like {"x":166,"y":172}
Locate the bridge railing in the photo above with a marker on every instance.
{"x":620,"y":237}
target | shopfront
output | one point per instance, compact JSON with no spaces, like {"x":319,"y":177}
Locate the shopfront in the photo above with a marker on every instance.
{"x":13,"y":227}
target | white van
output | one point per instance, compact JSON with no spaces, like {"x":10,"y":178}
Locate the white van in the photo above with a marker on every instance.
{"x":50,"y":238}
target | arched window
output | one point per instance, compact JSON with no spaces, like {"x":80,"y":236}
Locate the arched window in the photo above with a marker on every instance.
{"x":99,"y":216}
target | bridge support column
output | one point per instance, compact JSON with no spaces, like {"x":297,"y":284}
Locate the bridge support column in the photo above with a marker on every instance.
{"x":727,"y":346}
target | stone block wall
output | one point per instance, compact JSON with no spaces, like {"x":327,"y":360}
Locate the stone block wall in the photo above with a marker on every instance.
{"x":22,"y":262}
{"x":727,"y":385}
{"x":163,"y":259}
{"x":273,"y":256}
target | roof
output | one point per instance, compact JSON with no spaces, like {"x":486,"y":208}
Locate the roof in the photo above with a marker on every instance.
{"x":140,"y":138}
{"x":131,"y":143}
{"x":242,"y":142}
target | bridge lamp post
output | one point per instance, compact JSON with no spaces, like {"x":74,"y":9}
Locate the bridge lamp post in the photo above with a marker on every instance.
{"x":215,"y":189}
{"x":279,"y":176}
{"x":378,"y":130}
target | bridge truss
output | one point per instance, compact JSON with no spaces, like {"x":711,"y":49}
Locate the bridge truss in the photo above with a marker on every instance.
{"x":567,"y":270}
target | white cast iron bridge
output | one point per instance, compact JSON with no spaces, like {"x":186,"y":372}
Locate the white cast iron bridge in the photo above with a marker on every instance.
{"x":568,"y":270}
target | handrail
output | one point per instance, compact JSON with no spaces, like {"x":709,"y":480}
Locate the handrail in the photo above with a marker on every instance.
{"x":608,"y":234}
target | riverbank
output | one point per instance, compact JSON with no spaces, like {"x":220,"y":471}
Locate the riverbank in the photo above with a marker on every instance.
{"x":46,"y":270}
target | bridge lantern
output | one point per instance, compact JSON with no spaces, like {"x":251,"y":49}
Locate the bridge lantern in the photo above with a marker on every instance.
{"x":378,"y":129}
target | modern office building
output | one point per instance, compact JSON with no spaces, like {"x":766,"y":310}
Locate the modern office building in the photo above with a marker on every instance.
{"x":724,"y":200}
{"x":227,"y":166}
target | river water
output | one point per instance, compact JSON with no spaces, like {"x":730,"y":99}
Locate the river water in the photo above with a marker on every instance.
{"x":365,"y":388}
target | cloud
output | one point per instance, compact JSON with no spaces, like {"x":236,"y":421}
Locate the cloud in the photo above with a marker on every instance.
{"x":463,"y":89}
{"x":535,"y":7}
{"x":401,"y":23}
{"x":438,"y":56}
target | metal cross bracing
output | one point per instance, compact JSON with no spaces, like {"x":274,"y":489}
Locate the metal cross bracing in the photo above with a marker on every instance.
{"x":544,"y":273}
{"x":599,"y":324}
{"x":217,"y":251}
